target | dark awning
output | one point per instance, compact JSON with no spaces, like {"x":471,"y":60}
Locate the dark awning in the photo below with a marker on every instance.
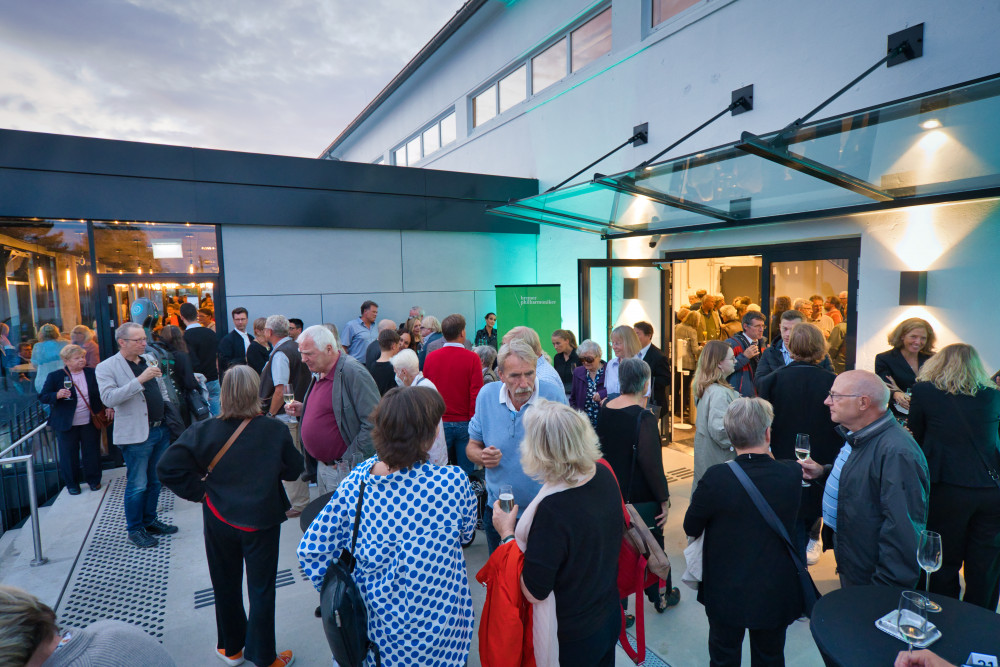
{"x":940,"y":146}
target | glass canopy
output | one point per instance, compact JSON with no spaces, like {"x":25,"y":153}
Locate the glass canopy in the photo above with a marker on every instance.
{"x":900,"y":154}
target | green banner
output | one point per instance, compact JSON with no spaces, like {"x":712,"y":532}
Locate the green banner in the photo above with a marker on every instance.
{"x":535,"y":306}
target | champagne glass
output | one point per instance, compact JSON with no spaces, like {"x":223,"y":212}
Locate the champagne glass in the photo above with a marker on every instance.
{"x":929,"y":559}
{"x":506,"y":498}
{"x":288,"y":396}
{"x":802,"y":450}
{"x":911,"y":618}
{"x":68,"y":385}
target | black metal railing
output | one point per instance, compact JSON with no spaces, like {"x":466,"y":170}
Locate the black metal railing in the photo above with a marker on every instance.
{"x":37,"y":441}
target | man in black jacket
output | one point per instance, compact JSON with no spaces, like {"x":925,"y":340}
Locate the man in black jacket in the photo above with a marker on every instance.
{"x":203,"y":346}
{"x":234,"y":345}
{"x":658,"y":366}
{"x":777,"y":355}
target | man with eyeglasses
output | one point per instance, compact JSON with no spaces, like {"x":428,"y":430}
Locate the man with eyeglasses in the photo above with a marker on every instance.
{"x":876,"y":494}
{"x":129,"y":386}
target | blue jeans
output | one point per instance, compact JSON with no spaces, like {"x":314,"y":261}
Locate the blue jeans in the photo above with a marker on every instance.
{"x":456,"y":437}
{"x":214,"y":389}
{"x":142,"y":487}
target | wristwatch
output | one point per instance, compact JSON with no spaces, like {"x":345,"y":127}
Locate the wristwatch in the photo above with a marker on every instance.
{"x":269,"y":414}
{"x":507,"y":539}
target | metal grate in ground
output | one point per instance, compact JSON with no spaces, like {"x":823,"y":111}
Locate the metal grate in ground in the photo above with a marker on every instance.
{"x":114,"y":579}
{"x":206,"y":596}
{"x":652,"y":660}
{"x":678,"y":474}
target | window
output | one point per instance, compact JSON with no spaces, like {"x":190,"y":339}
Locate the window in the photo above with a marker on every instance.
{"x":432,"y":139}
{"x":513,"y":88}
{"x":591,"y":40}
{"x":413,"y":150}
{"x":484,"y":106}
{"x":155,"y":247}
{"x":548,"y":66}
{"x":399,"y":156}
{"x":449,"y":129}
{"x":666,"y":9}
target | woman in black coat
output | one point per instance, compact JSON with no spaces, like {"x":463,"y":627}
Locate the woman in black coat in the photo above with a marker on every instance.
{"x":748,"y":578}
{"x":912,"y":344}
{"x":955,"y":416}
{"x":70,"y":418}
{"x":630,"y":442}
{"x":181,"y":371}
{"x":244,"y":504}
{"x":797,"y":393}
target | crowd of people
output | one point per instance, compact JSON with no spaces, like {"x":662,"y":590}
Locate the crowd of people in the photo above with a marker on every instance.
{"x":400,"y":424}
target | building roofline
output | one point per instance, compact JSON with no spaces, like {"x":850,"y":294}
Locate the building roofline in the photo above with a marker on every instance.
{"x":460,"y":18}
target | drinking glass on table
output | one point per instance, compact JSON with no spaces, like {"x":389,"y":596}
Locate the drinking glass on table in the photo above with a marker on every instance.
{"x":929,"y":559}
{"x":506,"y":497}
{"x":802,"y":450}
{"x":911,"y":618}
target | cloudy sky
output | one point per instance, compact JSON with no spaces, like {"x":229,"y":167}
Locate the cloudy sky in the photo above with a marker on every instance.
{"x":264,"y":76}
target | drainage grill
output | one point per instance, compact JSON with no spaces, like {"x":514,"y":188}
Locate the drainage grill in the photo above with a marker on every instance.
{"x":116,"y":580}
{"x":206,"y":596}
{"x":652,"y":660}
{"x":679,"y":474}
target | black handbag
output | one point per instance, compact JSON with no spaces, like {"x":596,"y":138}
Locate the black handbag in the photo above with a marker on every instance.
{"x":342,"y":606}
{"x":809,"y":592}
{"x":197,"y":405}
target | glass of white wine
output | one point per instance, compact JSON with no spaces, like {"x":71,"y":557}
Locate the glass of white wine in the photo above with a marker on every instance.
{"x":929,"y":559}
{"x":911,"y":618}
{"x":68,"y":386}
{"x":802,"y":450}
{"x":506,"y":498}
{"x":288,"y":396}
{"x":153,"y":362}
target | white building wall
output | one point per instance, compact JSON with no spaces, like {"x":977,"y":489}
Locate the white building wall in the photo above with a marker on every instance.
{"x":323,"y":275}
{"x":795,"y":52}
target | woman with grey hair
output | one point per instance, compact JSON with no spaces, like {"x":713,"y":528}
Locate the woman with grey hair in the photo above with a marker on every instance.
{"x":630,"y":442}
{"x":588,"y":381}
{"x":488,"y":358}
{"x":573,"y":526}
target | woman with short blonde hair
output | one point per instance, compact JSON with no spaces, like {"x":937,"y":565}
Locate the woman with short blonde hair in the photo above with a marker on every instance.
{"x":45,"y":354}
{"x":625,"y":345}
{"x":573,"y":526}
{"x":954,"y":413}
{"x":712,"y":396}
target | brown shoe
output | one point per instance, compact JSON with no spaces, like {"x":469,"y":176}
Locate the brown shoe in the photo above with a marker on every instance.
{"x":291,"y":514}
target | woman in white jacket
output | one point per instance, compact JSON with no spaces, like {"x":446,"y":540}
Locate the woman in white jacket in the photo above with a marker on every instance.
{"x":712,"y":395}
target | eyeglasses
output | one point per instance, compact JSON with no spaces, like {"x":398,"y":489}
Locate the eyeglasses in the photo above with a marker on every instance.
{"x":587,"y":360}
{"x":135,"y":340}
{"x":834,"y":397}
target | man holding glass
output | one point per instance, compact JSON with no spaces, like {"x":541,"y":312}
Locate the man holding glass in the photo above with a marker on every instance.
{"x":877,"y":490}
{"x":129,"y":386}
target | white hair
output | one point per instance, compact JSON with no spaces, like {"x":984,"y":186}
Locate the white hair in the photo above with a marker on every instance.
{"x":320,"y":336}
{"x":278,"y":324}
{"x":516,"y":348}
{"x":406,"y":359}
{"x":589,"y":346}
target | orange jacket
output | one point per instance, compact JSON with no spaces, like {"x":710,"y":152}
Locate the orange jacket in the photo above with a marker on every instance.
{"x":505,"y":626}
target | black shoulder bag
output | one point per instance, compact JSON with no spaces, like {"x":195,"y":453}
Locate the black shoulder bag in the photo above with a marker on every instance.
{"x":992,"y":472}
{"x":809,"y":592}
{"x":343,"y":610}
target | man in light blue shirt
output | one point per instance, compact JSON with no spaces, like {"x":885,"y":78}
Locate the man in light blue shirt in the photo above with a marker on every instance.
{"x":544,"y":372}
{"x":497,"y":428}
{"x":360,"y":333}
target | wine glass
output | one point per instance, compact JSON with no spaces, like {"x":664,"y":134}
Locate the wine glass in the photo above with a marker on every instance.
{"x":911,"y":618}
{"x":68,"y":385}
{"x":929,"y":559}
{"x":288,"y":396}
{"x":802,"y":450}
{"x":153,"y":362}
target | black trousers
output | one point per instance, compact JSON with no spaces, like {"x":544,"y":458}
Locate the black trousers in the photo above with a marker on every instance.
{"x":227,"y":548}
{"x":597,"y":649}
{"x":85,"y":439}
{"x":968,"y":520}
{"x":725,"y":646}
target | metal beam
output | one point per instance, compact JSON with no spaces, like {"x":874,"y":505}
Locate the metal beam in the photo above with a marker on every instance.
{"x":662,"y":198}
{"x":753,"y":144}
{"x":568,"y":216}
{"x":524,"y":218}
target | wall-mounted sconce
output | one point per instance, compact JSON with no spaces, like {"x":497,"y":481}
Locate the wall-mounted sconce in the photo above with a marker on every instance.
{"x":913,"y":288}
{"x":631,"y":289}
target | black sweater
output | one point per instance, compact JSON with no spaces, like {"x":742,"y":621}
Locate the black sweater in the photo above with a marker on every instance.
{"x":245,"y":486}
{"x":203,"y":346}
{"x":616,"y":428}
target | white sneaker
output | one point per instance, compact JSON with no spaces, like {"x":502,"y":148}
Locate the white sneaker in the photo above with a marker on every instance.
{"x":814,"y":550}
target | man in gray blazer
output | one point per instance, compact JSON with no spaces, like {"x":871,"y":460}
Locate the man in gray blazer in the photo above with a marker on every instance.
{"x":335,"y":423}
{"x":129,"y":386}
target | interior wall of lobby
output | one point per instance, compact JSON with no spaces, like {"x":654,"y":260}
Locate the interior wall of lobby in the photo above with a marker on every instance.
{"x":675,"y":76}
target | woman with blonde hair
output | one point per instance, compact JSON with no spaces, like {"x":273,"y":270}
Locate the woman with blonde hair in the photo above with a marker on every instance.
{"x":243,"y":507}
{"x":625,"y":345}
{"x":912,"y":344}
{"x":45,"y":354}
{"x":573,"y":526}
{"x":954,"y":417}
{"x":712,"y":396}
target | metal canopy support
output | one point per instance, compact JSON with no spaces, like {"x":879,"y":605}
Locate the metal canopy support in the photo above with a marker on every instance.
{"x":751,"y":143}
{"x":662,"y":198}
{"x":524,"y":218}
{"x":638,"y":138}
{"x":567,"y":216}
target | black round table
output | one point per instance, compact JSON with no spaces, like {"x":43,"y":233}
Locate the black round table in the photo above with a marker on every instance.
{"x":843,"y":625}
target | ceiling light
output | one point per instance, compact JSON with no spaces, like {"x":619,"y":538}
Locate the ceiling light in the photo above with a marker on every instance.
{"x":931,"y":124}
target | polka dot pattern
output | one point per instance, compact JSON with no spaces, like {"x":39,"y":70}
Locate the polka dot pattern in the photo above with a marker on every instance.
{"x":410,"y":565}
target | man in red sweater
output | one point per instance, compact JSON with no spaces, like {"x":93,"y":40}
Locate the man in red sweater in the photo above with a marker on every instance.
{"x":458,"y":376}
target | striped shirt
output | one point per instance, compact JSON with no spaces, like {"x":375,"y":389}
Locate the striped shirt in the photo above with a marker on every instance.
{"x":832,"y":488}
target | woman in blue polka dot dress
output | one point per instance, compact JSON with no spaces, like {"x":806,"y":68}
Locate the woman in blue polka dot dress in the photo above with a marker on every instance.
{"x":414,"y":518}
